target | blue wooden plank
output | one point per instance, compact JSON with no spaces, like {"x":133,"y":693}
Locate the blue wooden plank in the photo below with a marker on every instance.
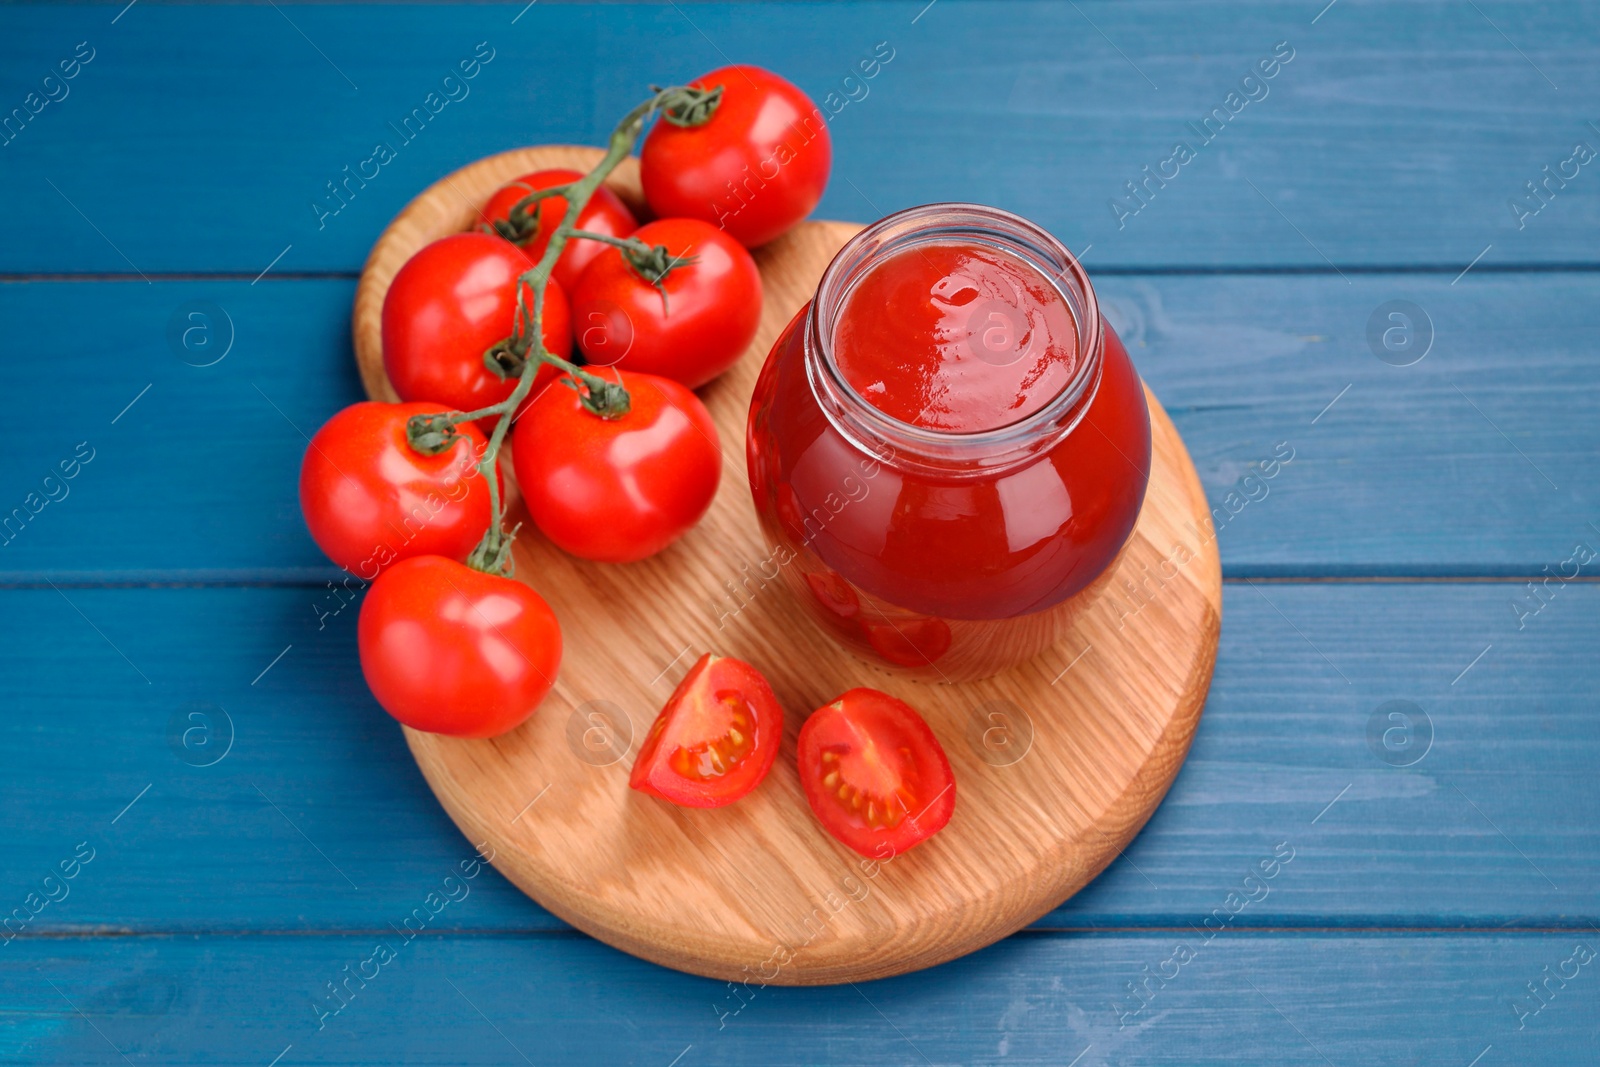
{"x":1478,"y":460}
{"x":313,"y":817}
{"x":1240,"y":998}
{"x":1397,"y":134}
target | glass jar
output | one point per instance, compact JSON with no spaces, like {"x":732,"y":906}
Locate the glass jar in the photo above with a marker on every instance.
{"x":959,"y":543}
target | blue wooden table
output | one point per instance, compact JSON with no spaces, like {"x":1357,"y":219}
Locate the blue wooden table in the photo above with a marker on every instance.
{"x":1382,"y":257}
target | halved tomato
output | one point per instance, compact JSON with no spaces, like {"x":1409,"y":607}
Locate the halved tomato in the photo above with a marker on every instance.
{"x":715,"y":740}
{"x":874,"y":774}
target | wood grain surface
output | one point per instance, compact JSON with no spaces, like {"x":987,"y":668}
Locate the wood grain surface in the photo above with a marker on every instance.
{"x":1058,"y":762}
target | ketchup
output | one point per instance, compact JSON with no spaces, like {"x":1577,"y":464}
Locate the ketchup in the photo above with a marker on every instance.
{"x":955,"y":337}
{"x":948,"y":445}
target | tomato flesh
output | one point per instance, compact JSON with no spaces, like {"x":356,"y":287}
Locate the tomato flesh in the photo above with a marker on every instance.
{"x":874,"y":774}
{"x":716,"y":738}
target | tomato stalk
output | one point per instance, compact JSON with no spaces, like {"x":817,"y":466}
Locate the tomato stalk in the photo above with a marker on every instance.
{"x":651,"y":262}
{"x":521,"y":224}
{"x":523,"y":352}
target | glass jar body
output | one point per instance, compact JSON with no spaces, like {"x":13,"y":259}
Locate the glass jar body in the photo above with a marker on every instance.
{"x":952,"y":570}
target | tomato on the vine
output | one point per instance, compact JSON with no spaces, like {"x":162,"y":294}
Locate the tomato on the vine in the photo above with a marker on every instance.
{"x":619,"y":489}
{"x":874,"y":774}
{"x":448,"y":305}
{"x":716,"y":738}
{"x":755,"y":168}
{"x":370,"y":499}
{"x":452,"y":650}
{"x":604,"y":213}
{"x":691,"y":328}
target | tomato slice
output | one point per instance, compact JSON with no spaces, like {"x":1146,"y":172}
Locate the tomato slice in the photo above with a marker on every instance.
{"x":715,"y":740}
{"x":874,"y":774}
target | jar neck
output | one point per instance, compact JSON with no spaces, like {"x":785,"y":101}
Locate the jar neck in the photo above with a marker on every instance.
{"x":902,"y":443}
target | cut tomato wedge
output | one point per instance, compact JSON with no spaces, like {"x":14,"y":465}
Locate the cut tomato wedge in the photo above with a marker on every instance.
{"x":874,"y":774}
{"x":716,"y":738}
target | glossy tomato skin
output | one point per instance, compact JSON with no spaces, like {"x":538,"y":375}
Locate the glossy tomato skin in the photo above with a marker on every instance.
{"x":874,"y":774}
{"x":755,"y":169}
{"x":370,"y":499}
{"x":447,"y":305}
{"x":708,"y":319}
{"x":617,"y":490}
{"x":604,"y":213}
{"x":716,"y":738}
{"x":451,"y":650}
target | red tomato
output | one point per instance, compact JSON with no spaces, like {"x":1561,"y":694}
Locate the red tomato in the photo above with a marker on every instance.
{"x":693,"y":328}
{"x":370,"y":499}
{"x":448,"y":304}
{"x":874,"y":774}
{"x":756,"y":168}
{"x":451,"y":650}
{"x":715,"y":740}
{"x":604,"y":213}
{"x":617,"y":490}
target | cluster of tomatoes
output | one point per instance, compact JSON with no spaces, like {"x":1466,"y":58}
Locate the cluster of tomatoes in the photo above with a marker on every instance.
{"x":581,"y":339}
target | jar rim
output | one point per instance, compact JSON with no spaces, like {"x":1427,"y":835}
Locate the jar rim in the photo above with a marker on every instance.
{"x":932,"y":223}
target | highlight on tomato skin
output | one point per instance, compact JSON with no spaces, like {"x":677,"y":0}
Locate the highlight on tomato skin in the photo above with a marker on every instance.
{"x":716,"y":738}
{"x":874,"y":774}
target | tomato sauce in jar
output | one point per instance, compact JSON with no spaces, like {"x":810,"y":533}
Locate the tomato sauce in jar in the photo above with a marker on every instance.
{"x":948,"y":445}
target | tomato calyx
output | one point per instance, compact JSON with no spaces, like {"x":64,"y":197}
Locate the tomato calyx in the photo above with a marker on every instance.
{"x":653,"y":263}
{"x":608,"y":400}
{"x":688,"y":105}
{"x":431,"y":434}
{"x":521,"y":225}
{"x":493,"y":554}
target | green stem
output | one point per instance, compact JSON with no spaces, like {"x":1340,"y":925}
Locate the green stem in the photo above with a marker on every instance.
{"x":631,"y":243}
{"x":521,"y":224}
{"x":603,"y":398}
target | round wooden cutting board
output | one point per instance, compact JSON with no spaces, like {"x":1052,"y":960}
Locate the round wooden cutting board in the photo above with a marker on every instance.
{"x":1058,"y":762}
